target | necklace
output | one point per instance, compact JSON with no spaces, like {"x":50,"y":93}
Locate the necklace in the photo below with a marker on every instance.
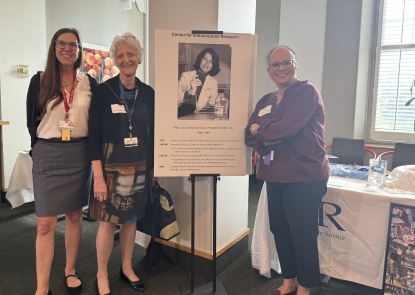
{"x":66,"y":84}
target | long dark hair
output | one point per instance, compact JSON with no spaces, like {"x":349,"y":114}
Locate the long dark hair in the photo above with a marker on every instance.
{"x":50,"y":84}
{"x":215,"y":61}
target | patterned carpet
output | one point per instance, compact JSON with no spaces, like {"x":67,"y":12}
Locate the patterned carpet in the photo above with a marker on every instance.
{"x":17,"y":262}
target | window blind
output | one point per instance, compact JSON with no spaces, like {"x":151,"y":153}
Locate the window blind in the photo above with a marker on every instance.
{"x":396,"y":68}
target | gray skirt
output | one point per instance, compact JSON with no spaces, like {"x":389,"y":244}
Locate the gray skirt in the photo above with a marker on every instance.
{"x":61,"y":176}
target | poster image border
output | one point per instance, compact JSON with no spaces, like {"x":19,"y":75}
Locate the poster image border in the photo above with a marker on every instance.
{"x":388,"y":253}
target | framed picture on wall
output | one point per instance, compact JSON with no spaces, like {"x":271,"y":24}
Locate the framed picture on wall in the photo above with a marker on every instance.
{"x":399,"y":272}
{"x":98,"y":63}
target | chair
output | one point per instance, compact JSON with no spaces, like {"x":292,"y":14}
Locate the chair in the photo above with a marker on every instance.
{"x":403,"y":154}
{"x":349,"y":151}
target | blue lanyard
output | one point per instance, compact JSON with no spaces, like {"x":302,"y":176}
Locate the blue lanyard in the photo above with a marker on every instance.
{"x":129,"y":111}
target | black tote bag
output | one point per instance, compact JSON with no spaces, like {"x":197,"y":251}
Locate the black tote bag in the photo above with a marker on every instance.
{"x":159,"y":220}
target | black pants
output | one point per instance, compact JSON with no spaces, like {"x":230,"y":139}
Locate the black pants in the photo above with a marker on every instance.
{"x":293,"y":217}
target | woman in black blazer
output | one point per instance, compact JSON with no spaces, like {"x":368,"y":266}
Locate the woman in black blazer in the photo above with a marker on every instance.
{"x":121,"y":128}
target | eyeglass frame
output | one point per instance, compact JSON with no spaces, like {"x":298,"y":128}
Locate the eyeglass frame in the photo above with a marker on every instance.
{"x":276,"y":65}
{"x":67,"y":43}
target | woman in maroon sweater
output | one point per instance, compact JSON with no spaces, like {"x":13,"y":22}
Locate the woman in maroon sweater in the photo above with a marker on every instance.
{"x":287,"y":129}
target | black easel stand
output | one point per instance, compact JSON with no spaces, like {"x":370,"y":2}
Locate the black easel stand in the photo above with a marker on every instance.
{"x":211,"y":288}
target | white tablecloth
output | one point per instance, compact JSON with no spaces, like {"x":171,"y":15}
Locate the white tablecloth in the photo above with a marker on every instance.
{"x":264,"y":254}
{"x":20,"y":188}
{"x":354,"y":248}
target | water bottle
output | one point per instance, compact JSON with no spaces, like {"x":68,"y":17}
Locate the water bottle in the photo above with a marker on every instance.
{"x":377,"y":171}
{"x":221,"y":106}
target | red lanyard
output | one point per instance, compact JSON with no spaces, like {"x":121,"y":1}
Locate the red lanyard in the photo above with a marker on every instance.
{"x":68,"y":103}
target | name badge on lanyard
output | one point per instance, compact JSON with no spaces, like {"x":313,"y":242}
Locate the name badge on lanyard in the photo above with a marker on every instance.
{"x":129,"y":141}
{"x":268,"y":158}
{"x":265,"y":111}
{"x":118,"y":109}
{"x":67,"y":125}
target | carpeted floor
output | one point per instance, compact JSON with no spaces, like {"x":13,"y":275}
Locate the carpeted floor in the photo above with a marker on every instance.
{"x":17,"y":262}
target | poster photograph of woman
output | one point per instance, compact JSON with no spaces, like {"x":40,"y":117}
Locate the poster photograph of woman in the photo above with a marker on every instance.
{"x":205,"y":92}
{"x":399,"y":273}
{"x":204,"y":74}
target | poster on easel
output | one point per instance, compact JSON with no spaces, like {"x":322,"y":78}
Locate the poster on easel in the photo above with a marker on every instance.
{"x":203,"y":99}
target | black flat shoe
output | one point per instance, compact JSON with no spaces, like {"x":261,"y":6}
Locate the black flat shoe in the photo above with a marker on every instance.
{"x":97,"y":288}
{"x":278,"y":292}
{"x":137,"y":285}
{"x":72,"y":290}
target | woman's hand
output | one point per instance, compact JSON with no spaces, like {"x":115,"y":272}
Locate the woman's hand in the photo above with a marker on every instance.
{"x":254,"y":128}
{"x":194,"y":84}
{"x":100,"y":189}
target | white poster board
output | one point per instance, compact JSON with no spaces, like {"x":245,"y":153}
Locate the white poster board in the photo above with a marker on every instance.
{"x":201,"y":113}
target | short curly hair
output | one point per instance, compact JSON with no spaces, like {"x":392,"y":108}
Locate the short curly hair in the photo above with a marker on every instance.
{"x":129,"y":39}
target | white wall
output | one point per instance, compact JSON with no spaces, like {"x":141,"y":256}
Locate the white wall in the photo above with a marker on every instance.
{"x":363,"y":76}
{"x":160,"y":12}
{"x":232,"y":214}
{"x":237,"y":16}
{"x":22,"y":31}
{"x":303,"y":28}
{"x":28,"y":27}
{"x":234,"y":16}
{"x":341,"y":67}
{"x":345,"y":48}
{"x":267,"y":28}
{"x":179,"y":15}
{"x":332,"y":40}
{"x":98,"y":21}
{"x":27,"y":43}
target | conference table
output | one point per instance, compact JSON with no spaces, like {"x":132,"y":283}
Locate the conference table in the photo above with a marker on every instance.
{"x":353,"y":230}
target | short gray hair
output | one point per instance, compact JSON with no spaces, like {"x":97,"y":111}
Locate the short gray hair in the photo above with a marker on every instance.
{"x":284,"y":46}
{"x":129,"y":39}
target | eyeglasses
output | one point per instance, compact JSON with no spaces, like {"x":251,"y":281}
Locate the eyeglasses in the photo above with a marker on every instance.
{"x":286,"y":64}
{"x":127,"y":37}
{"x":62,"y":44}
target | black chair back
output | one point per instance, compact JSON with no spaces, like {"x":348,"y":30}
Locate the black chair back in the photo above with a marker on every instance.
{"x":349,"y":151}
{"x":404,"y":154}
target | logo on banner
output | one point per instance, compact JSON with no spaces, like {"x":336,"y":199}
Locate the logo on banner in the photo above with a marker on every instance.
{"x":331,"y":218}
